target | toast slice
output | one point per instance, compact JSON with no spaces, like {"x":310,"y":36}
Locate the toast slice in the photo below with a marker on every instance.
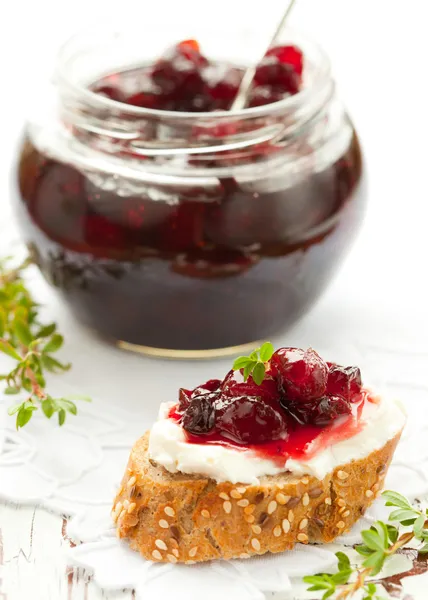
{"x":183,"y":518}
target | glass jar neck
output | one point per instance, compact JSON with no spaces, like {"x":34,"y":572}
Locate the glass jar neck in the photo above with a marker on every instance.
{"x":97,"y":133}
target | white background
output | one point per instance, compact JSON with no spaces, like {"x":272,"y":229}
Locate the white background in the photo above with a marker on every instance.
{"x":379,"y":51}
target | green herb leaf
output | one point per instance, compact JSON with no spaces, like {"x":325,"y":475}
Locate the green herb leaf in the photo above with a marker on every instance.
{"x":247,"y":369}
{"x":342,"y":576}
{"x":24,"y":415}
{"x":73,"y":397}
{"x":254,"y":364}
{"x":396,"y":499}
{"x":372,"y":540}
{"x":8,"y":349}
{"x":10,"y":391}
{"x":419,"y":526}
{"x":54,"y":344}
{"x":382,"y":531}
{"x":22,"y":332}
{"x":266,"y":351}
{"x":240,"y":363}
{"x":424,"y":549}
{"x":375,"y":561}
{"x":46,"y":331}
{"x":403,"y":515}
{"x":371,"y":588}
{"x":53,"y":365}
{"x":258,"y":373}
{"x":61,"y":416}
{"x":47,"y":407}
{"x":364,"y":550}
{"x":343,"y":561}
{"x":393,"y":533}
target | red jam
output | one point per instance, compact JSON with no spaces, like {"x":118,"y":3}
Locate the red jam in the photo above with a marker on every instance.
{"x":274,"y":428}
{"x":183,"y":79}
{"x":204,"y":272}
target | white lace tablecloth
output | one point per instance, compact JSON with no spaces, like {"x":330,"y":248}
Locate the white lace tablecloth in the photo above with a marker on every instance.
{"x":74,"y":470}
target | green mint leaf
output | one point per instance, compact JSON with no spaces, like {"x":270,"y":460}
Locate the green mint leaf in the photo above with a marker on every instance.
{"x":61,"y":416}
{"x":372,"y":540}
{"x":328,"y":594}
{"x":419,"y":526}
{"x":364,"y":550}
{"x":240,"y":363}
{"x":343,"y":561}
{"x":375,"y":562}
{"x":46,"y":331}
{"x":392,"y":533}
{"x":424,"y":549}
{"x":22,"y":332}
{"x":403,"y":515}
{"x":254,"y":355}
{"x":266,"y":351}
{"x":8,"y":349}
{"x":10,"y":390}
{"x":396,"y":499}
{"x":54,"y":344}
{"x":259,"y":373}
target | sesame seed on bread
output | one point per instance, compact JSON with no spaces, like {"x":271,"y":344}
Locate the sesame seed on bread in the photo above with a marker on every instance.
{"x":188,"y":518}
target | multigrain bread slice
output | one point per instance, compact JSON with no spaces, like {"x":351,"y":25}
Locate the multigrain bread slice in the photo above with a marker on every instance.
{"x":183,"y":518}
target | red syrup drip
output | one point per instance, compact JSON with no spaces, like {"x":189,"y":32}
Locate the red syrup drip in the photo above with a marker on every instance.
{"x":303,"y":441}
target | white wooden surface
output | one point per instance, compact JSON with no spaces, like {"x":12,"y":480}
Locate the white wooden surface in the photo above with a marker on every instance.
{"x":379,"y":51}
{"x":32,"y":565}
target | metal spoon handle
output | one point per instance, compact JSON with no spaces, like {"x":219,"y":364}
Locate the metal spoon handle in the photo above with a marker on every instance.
{"x":245,"y":86}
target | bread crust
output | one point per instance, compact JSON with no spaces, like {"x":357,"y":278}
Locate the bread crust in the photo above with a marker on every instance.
{"x":183,"y":518}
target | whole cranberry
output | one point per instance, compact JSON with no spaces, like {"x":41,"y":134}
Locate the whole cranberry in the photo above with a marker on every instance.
{"x":302,"y":374}
{"x":100,"y":231}
{"x":248,"y":420}
{"x":234,"y":385}
{"x":199,"y":416}
{"x":344,"y":382}
{"x":145,"y":100}
{"x":265,"y":94}
{"x":289,"y":55}
{"x":272,"y":72}
{"x":110,"y":91}
{"x":328,"y":409}
{"x":223,"y":87}
{"x":211,"y":385}
{"x":321,"y":412}
{"x":180,"y":69}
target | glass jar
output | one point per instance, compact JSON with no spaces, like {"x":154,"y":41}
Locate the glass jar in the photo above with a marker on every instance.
{"x":187,"y":234}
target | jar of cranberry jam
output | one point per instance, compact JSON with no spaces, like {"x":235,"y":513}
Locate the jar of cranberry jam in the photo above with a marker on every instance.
{"x":172,"y":225}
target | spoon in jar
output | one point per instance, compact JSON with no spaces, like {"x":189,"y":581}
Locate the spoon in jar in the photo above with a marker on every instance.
{"x":245,"y":86}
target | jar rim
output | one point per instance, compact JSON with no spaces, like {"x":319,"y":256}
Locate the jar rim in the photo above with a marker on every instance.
{"x":308,"y":46}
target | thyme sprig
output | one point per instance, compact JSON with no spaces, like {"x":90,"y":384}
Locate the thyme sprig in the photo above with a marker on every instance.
{"x":381,"y":541}
{"x":31,"y":344}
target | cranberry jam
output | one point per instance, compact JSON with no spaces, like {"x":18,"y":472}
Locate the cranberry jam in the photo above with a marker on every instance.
{"x":299,"y":405}
{"x":167,"y":222}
